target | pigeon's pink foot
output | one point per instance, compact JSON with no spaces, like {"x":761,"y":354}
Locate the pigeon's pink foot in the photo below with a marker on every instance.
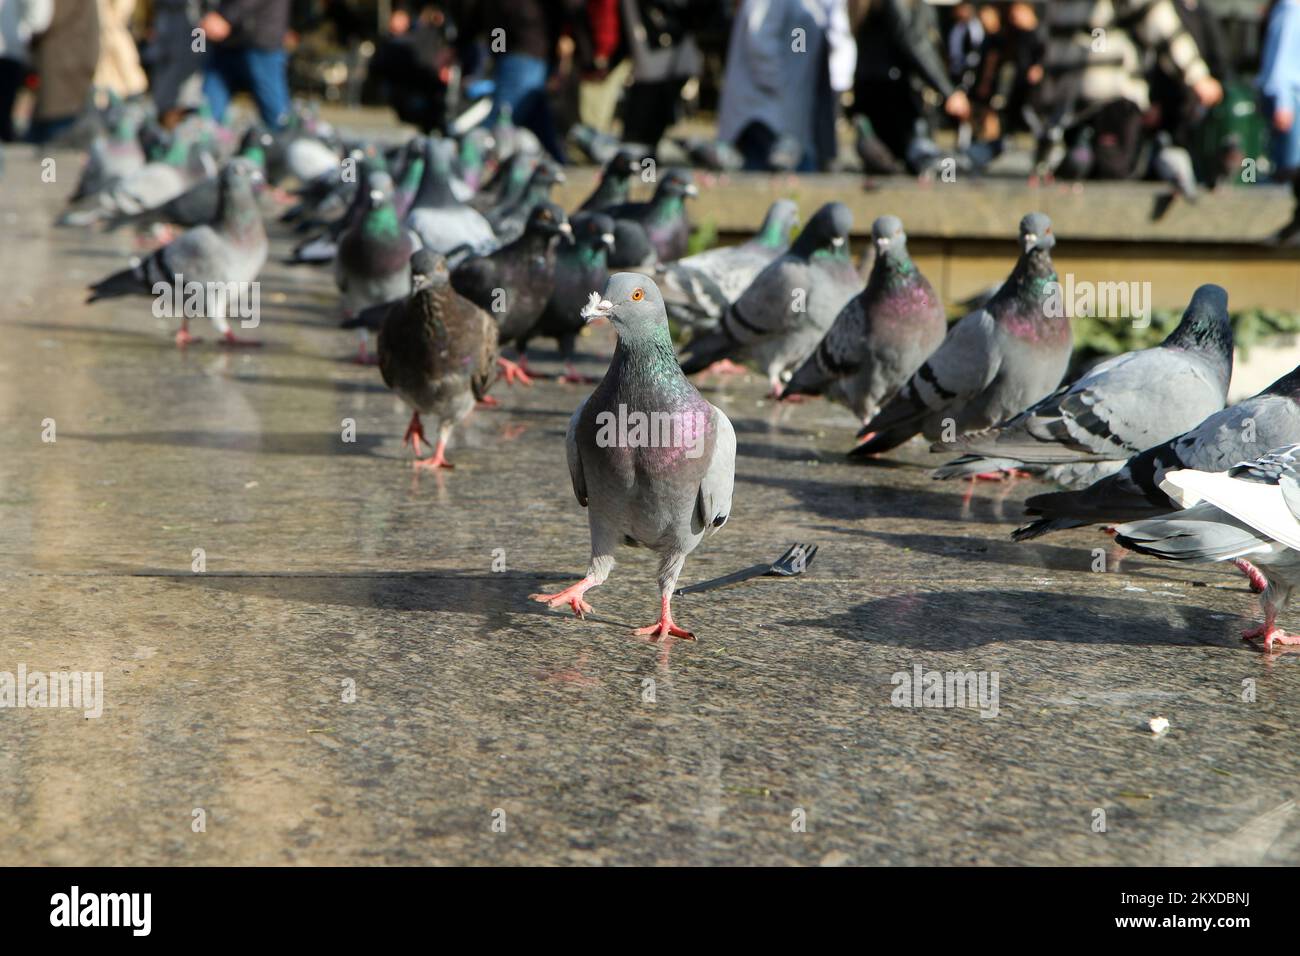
{"x":572,"y":376}
{"x":414,"y":433}
{"x":514,"y":372}
{"x":487,"y":401}
{"x":664,"y":626}
{"x":231,"y":340}
{"x":1258,"y":583}
{"x":990,"y":476}
{"x":363,"y":356}
{"x":183,"y":338}
{"x":866,"y":438}
{"x":438,"y":460}
{"x":725,"y":367}
{"x":1272,"y":634}
{"x":571,"y":596}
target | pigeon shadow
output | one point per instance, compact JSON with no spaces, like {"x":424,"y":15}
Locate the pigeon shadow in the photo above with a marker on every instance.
{"x":495,"y":597}
{"x":309,"y":382}
{"x":274,"y":443}
{"x":962,"y":620}
{"x":853,"y":501}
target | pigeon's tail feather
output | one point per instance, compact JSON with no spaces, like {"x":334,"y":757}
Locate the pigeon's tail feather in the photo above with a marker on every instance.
{"x":126,"y":282}
{"x":1182,"y":539}
{"x":811,"y":378}
{"x":892,"y":426}
{"x":1045,"y":526}
{"x":703,"y":350}
{"x":877,"y":442}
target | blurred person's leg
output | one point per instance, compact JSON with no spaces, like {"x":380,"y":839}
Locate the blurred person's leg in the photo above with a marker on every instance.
{"x":268,"y":81}
{"x":520,"y":83}
{"x":12,"y":73}
{"x":755,"y":144}
{"x":220,"y":80}
{"x":1119,"y":130}
{"x":649,"y":109}
{"x":44,"y":130}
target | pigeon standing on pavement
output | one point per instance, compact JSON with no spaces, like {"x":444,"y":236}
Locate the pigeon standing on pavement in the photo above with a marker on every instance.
{"x":778,"y":321}
{"x":1249,"y":511}
{"x":437,"y":351}
{"x":654,"y":231}
{"x":440,"y":220}
{"x":1238,"y":433}
{"x":580,"y":267}
{"x":1088,"y":429}
{"x":881,"y":337}
{"x":662,"y":488}
{"x":515,"y":282}
{"x":373,"y":265}
{"x":508,"y":222}
{"x":993,"y":364}
{"x":229,"y":252}
{"x":698,"y":289}
{"x":615,"y":184}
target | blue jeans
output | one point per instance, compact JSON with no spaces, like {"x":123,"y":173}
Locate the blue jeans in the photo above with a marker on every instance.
{"x":263,"y":73}
{"x":520,"y":83}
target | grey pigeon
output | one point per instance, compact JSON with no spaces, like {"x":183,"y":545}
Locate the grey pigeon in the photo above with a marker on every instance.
{"x":881,"y":336}
{"x":778,"y":321}
{"x":602,"y":147}
{"x":1088,"y":429}
{"x":153,"y":184}
{"x":374,"y":258}
{"x":112,"y":157}
{"x":422,"y":265}
{"x":658,"y":230}
{"x":580,"y":267}
{"x":507,"y":184}
{"x":515,"y":282}
{"x":437,"y":351}
{"x":442,"y":221}
{"x":663,"y":478}
{"x":877,"y":159}
{"x":508,"y":221}
{"x":712,"y":154}
{"x":1172,"y":164}
{"x":993,"y":364}
{"x":323,"y":248}
{"x":1247,"y":512}
{"x":698,"y":289}
{"x":1238,"y":433}
{"x":230,"y":251}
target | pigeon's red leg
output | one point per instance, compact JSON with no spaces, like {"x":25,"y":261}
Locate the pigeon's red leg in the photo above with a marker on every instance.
{"x":1257,"y":580}
{"x":866,"y":438}
{"x":414,"y":433}
{"x":513,"y":372}
{"x":439,"y":459}
{"x":487,"y":401}
{"x":572,"y":376}
{"x":231,"y":340}
{"x":183,"y":337}
{"x":571,"y":596}
{"x":665,"y":625}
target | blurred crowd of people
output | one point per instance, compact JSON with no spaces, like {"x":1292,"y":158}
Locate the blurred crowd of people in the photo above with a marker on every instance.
{"x":1094,"y":82}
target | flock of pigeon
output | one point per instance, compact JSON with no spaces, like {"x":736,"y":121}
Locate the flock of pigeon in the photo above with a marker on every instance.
{"x":451,"y":249}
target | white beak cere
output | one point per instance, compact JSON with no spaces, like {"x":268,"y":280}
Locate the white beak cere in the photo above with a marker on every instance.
{"x":596,"y":308}
{"x":838,"y":241}
{"x":1031,"y":240}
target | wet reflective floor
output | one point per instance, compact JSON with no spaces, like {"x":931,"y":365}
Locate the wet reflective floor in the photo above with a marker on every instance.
{"x":356,"y":674}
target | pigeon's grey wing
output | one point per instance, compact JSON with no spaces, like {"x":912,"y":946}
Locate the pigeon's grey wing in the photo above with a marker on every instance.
{"x":1201,"y":533}
{"x":713,"y":505}
{"x":774,"y":301}
{"x":574,"y":455}
{"x":962,"y":366}
{"x":197,"y":254}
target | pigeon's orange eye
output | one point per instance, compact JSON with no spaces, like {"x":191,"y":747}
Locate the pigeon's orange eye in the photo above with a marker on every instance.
{"x":637,"y":295}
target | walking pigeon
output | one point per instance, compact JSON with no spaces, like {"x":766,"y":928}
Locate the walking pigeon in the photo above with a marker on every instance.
{"x":665,"y":480}
{"x":579,"y":268}
{"x":1249,"y":511}
{"x":658,"y":230}
{"x":699,"y":288}
{"x":778,"y":321}
{"x":1238,"y":433}
{"x":994,"y":363}
{"x":1087,"y":430}
{"x":228,"y":254}
{"x":437,"y":351}
{"x":881,"y":337}
{"x":515,"y":282}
